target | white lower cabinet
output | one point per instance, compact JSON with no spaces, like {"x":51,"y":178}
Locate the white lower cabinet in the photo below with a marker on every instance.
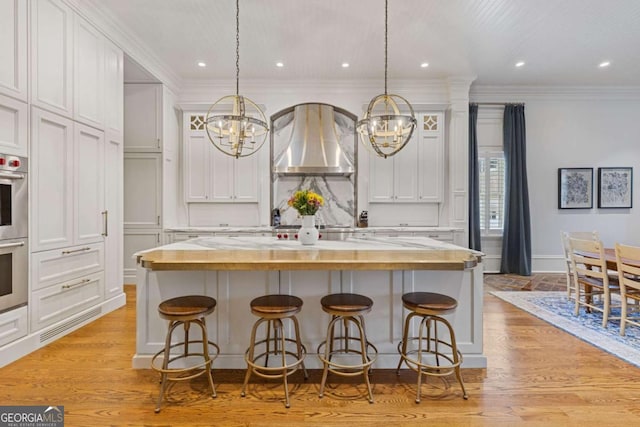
{"x":135,"y":241}
{"x":62,"y":300}
{"x":62,"y":265}
{"x":13,"y":325}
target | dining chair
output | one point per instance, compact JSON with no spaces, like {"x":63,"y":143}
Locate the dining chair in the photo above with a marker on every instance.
{"x":628,"y":260}
{"x":565,"y":236}
{"x":591,"y":277}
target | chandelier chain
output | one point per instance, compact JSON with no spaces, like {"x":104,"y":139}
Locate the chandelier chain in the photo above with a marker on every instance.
{"x":237,"y":47}
{"x":386,"y":17}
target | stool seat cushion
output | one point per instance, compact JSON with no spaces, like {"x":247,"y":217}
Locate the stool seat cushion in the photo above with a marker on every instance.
{"x":276,"y":304}
{"x":190,"y":305}
{"x":346,"y":302}
{"x":428,"y":301}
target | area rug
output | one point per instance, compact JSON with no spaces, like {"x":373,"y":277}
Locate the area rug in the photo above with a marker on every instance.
{"x":556,"y":309}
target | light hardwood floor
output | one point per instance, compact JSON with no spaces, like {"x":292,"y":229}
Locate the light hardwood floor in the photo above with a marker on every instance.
{"x":537,"y":375}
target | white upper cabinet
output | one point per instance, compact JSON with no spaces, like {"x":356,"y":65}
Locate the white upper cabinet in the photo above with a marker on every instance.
{"x":210,"y":175}
{"x":52,"y":56}
{"x":143,"y":117}
{"x":113,"y":88}
{"x":415,"y":174}
{"x":89,"y":72}
{"x":13,"y":126}
{"x":13,"y":48}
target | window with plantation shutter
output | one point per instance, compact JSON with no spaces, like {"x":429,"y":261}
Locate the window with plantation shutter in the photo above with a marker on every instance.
{"x":491,"y":169}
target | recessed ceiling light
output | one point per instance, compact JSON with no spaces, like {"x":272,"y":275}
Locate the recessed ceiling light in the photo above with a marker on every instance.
{"x":345,"y":65}
{"x":520,"y":64}
{"x":604,"y":64}
{"x":424,"y":64}
{"x":202,"y":64}
{"x":279,"y":64}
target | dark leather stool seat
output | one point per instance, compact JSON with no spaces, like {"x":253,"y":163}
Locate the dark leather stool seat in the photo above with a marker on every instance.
{"x":348,"y":309}
{"x":184,"y":311}
{"x":424,"y":353}
{"x":289,"y":352}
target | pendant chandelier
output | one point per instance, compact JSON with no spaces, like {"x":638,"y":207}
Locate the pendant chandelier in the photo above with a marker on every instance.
{"x":386,"y":127}
{"x":235,"y":124}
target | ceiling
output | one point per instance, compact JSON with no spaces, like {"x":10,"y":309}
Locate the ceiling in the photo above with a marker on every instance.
{"x":562,"y":42}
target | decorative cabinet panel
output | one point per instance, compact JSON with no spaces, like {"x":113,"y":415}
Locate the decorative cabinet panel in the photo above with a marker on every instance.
{"x":89,"y":74}
{"x":211,"y":176}
{"x":114,"y":88}
{"x":13,"y":325}
{"x":416,"y":173}
{"x":89,"y":184}
{"x":143,"y":195}
{"x":13,"y":126}
{"x":113,"y":239}
{"x":13,"y":48}
{"x":51,"y":181}
{"x":143,"y":117}
{"x":67,"y":182}
{"x":52,"y":56}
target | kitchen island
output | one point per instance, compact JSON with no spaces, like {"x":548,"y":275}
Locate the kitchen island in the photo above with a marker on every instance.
{"x":234,"y":270}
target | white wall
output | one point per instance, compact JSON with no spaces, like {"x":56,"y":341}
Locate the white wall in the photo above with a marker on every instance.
{"x":575,"y":128}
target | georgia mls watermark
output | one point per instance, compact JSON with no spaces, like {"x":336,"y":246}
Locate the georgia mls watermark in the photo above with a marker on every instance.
{"x":31,"y":416}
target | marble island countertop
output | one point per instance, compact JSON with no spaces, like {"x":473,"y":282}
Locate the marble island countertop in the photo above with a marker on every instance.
{"x":269,"y":253}
{"x":266,"y":228}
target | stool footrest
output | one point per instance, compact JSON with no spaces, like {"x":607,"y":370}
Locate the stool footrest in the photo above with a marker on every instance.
{"x":169,"y":370}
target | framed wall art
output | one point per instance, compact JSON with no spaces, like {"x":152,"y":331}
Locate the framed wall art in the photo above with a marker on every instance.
{"x":615,"y":187}
{"x":575,"y":188}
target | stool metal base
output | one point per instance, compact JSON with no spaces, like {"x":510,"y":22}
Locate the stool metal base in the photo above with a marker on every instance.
{"x":430,"y":349}
{"x":168,"y":373}
{"x":326,"y":351}
{"x":285,"y":368}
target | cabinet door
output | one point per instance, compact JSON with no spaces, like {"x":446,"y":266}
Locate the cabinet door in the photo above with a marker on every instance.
{"x":221,"y":177}
{"x":431,"y":157}
{"x":197,"y":159}
{"x":51,"y":181}
{"x":142,"y":117}
{"x":89,"y":184}
{"x":135,"y":241}
{"x":405,"y":173}
{"x":245,"y":177}
{"x":113,"y":215}
{"x":88,"y":74}
{"x":142,"y":190}
{"x":13,"y":126}
{"x":114,"y":88}
{"x":381,"y":179}
{"x":13,"y":48}
{"x":52,"y":56}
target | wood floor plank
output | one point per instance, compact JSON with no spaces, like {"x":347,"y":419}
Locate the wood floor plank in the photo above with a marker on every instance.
{"x":536,"y":375}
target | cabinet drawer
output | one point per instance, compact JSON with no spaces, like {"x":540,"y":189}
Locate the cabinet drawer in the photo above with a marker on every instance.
{"x":13,"y":325}
{"x":61,"y":301}
{"x":445,"y":236}
{"x":60,"y":265}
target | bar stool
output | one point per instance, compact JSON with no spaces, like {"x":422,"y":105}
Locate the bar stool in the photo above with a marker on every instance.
{"x":430,"y":307}
{"x":184,"y":311}
{"x":273,"y":309}
{"x":348,"y":308}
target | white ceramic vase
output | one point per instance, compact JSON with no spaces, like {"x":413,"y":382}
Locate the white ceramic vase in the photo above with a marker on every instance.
{"x":308,"y":234}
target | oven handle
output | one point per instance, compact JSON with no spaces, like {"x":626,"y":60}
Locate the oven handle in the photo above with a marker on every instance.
{"x":11,"y":245}
{"x":11,"y":175}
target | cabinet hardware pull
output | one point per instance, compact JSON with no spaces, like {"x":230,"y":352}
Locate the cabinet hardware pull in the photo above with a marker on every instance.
{"x":73,"y":285}
{"x":158,"y":220}
{"x":76,"y":250}
{"x":11,"y":245}
{"x":105,"y":216}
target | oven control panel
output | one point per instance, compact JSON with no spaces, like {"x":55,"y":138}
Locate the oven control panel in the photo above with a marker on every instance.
{"x":13,"y":163}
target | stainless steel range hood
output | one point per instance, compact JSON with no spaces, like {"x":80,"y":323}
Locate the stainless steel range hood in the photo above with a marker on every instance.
{"x":313,"y":139}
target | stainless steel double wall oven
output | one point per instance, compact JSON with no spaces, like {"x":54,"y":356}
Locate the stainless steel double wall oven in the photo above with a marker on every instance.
{"x":14,"y":229}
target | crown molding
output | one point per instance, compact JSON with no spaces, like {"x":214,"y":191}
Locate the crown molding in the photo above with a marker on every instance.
{"x":95,"y":12}
{"x":553,"y":93}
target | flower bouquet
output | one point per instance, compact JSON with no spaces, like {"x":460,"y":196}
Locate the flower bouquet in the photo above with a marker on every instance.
{"x":306,"y":202}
